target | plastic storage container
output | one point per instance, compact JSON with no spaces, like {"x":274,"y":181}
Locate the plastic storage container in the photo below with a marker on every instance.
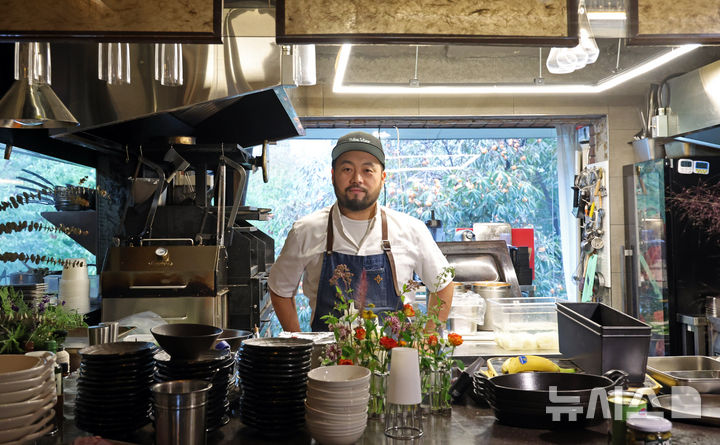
{"x":525,"y":323}
{"x":599,"y":338}
{"x":467,"y":311}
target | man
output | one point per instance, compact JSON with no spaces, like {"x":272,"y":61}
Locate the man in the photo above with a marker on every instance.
{"x":357,"y":232}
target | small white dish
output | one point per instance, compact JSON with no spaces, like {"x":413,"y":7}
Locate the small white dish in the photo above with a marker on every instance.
{"x":33,"y":436}
{"x":26,"y":394}
{"x":337,"y":407}
{"x":18,"y":367}
{"x":332,"y":415}
{"x":28,"y":406}
{"x":339,"y":376}
{"x":25,"y":419}
{"x":20,"y":432}
{"x":19,"y":385}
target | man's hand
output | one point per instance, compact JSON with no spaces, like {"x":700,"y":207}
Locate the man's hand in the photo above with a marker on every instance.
{"x":286,"y":312}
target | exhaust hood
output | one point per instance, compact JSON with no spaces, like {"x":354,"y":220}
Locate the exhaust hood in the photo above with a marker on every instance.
{"x":693,"y":100}
{"x":233,"y":93}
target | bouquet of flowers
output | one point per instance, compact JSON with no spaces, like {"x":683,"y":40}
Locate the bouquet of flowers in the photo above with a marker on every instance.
{"x":25,"y":327}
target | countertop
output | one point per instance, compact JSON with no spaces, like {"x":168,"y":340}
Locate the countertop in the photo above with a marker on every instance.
{"x":468,"y":424}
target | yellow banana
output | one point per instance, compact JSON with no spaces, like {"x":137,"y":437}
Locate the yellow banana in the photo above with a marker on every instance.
{"x":528,"y":363}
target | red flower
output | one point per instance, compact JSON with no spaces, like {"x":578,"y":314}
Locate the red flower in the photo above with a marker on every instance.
{"x":360,"y":333}
{"x":455,"y":339}
{"x":432,"y":340}
{"x":388,"y":343}
{"x":409,"y":311}
{"x":345,"y":361}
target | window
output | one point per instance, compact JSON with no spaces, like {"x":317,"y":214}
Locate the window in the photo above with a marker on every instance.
{"x":31,"y":172}
{"x":463,"y":175}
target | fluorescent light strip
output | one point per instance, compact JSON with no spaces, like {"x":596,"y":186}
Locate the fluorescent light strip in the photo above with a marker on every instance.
{"x":610,"y":15}
{"x":600,"y":87}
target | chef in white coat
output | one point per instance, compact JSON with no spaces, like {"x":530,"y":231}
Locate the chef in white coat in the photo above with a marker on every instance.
{"x":388,"y":246}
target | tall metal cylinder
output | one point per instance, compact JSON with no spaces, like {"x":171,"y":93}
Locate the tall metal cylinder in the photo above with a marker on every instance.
{"x":180,"y":409}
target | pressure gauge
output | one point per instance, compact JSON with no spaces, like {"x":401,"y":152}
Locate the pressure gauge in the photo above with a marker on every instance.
{"x":161,"y":253}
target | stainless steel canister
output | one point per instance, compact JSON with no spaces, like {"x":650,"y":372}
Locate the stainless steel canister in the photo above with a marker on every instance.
{"x":488,"y":290}
{"x":180,"y":407}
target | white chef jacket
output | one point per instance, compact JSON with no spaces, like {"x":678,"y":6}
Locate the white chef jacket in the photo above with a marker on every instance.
{"x":412,"y":246}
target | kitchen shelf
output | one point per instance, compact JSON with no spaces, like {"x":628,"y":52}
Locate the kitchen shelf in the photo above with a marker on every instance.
{"x":82,"y":219}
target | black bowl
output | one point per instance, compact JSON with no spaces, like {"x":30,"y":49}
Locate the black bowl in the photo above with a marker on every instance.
{"x":185,"y":340}
{"x":234,"y":337}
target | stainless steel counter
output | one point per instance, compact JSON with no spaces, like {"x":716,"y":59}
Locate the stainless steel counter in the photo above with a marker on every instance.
{"x":468,"y":424}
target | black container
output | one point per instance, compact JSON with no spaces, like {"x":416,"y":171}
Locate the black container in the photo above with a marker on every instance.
{"x":598,"y":338}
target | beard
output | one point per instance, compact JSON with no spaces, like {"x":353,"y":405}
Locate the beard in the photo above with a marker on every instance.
{"x":356,"y":204}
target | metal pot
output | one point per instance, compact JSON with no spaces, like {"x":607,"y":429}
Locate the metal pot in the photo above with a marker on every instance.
{"x":530,"y":398}
{"x":488,"y":290}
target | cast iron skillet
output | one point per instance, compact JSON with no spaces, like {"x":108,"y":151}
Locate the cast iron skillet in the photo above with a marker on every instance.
{"x":524,"y":399}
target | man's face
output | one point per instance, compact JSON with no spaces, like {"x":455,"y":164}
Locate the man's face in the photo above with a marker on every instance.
{"x":357,"y":178}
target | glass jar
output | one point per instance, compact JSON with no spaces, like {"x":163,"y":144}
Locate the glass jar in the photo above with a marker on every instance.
{"x":378,"y":391}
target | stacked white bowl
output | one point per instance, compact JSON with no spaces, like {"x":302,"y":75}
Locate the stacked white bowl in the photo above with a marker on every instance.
{"x":336,"y":403}
{"x":27,"y":397}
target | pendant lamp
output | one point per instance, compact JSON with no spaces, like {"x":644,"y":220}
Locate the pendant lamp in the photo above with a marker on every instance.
{"x":31,"y":102}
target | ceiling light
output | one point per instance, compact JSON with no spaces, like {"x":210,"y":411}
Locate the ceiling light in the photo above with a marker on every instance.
{"x":607,"y":15}
{"x":567,"y":60}
{"x":489,"y":89}
{"x":31,"y":102}
{"x":114,"y":63}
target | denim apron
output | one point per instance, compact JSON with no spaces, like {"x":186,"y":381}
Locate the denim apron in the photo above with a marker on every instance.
{"x":382,"y":290}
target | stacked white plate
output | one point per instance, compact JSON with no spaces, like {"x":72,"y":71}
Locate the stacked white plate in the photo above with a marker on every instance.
{"x":27,"y":397}
{"x":337,"y":402}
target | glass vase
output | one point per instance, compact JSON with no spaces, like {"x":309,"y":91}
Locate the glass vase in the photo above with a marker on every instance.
{"x":378,"y":390}
{"x":439,"y":382}
{"x":426,"y":378}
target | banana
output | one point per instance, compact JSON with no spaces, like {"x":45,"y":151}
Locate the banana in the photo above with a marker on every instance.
{"x":529,"y":363}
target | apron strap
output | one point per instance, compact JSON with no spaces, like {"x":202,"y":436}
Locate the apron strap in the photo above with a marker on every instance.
{"x":388,"y":251}
{"x":329,"y":243}
{"x":385,"y":245}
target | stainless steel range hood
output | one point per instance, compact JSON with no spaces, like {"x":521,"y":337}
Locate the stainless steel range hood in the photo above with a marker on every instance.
{"x":233,"y":93}
{"x":694,"y":104}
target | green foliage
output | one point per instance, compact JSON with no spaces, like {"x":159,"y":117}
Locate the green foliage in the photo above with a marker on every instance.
{"x":25,"y":327}
{"x":15,"y":180}
{"x":463,"y":181}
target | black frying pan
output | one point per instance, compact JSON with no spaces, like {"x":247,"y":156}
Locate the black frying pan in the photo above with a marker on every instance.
{"x":525,"y":399}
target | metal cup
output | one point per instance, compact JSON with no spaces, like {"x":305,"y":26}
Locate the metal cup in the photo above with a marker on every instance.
{"x":113,"y":332}
{"x":180,"y":407}
{"x":98,"y":335}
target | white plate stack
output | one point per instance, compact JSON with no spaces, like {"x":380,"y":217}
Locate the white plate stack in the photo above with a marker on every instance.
{"x":27,"y":397}
{"x":337,"y":403}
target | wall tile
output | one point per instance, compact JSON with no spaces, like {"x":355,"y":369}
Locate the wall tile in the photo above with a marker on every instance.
{"x":621,"y":153}
{"x":356,"y":105}
{"x":625,"y":116}
{"x":465,"y":106}
{"x":544,"y":105}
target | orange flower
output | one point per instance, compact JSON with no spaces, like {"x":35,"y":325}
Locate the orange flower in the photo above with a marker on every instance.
{"x":345,"y":361}
{"x":409,"y":311}
{"x":360,"y":333}
{"x":455,"y":339}
{"x":432,"y":340}
{"x":402,"y":343}
{"x":388,"y":343}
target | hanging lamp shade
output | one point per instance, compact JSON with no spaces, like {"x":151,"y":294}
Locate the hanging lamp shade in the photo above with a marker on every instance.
{"x":27,"y":105}
{"x":31,"y":102}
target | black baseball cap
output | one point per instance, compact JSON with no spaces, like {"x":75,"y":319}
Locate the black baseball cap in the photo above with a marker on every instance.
{"x":360,"y":141}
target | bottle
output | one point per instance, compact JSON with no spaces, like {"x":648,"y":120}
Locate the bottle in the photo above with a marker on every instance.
{"x":62,"y":358}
